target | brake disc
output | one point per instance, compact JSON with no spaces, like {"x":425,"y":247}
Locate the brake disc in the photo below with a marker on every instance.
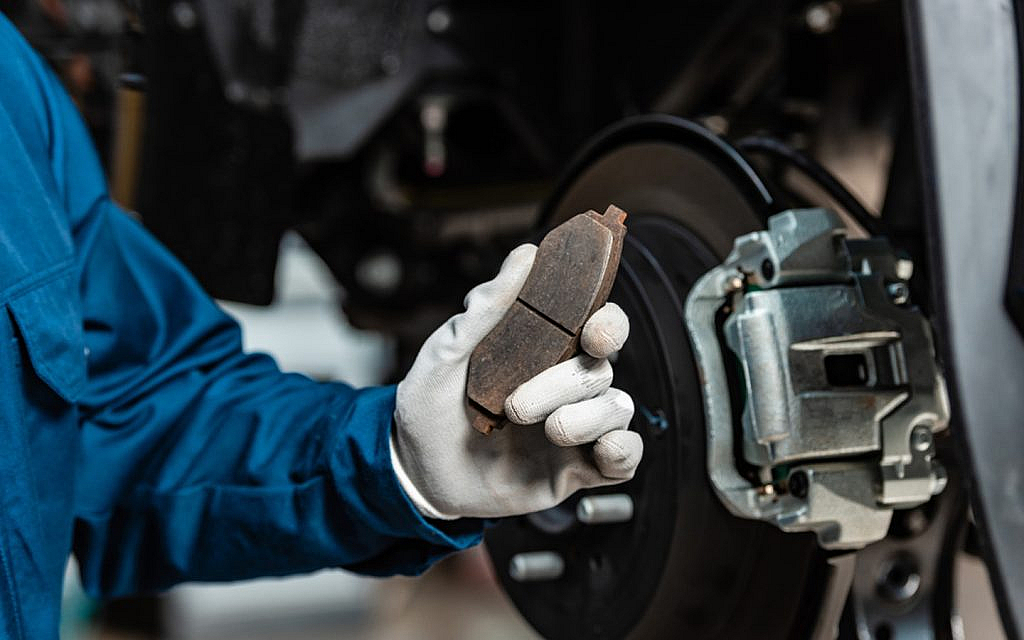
{"x":660,"y":556}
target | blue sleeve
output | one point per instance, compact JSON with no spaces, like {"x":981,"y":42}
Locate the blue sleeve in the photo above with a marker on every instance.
{"x":199,"y":461}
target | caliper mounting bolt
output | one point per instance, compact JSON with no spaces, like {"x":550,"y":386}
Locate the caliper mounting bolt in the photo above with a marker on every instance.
{"x":921,"y":438}
{"x":899,"y":292}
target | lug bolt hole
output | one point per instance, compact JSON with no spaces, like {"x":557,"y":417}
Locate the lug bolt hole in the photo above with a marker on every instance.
{"x":899,"y":578}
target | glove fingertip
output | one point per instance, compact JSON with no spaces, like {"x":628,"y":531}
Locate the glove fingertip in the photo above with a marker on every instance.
{"x":526,"y":251}
{"x":617,"y":454}
{"x":517,"y":265}
{"x":622,"y":401}
{"x":605,"y":332}
{"x":556,"y":429}
{"x":517,"y":410}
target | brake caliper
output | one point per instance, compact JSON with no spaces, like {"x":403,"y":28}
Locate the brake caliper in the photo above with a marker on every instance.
{"x":821,"y":388}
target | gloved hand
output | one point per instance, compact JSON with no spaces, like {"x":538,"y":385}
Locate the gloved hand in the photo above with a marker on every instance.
{"x":575,"y":425}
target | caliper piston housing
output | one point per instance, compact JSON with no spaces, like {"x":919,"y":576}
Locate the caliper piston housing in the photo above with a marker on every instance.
{"x":821,"y":388}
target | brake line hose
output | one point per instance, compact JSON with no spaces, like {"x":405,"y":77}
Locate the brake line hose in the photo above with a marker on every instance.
{"x":819,"y":174}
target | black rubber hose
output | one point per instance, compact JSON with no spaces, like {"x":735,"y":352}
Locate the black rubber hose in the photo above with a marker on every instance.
{"x":819,"y":174}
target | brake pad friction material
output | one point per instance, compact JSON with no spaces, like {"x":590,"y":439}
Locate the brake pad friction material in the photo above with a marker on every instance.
{"x":571,"y":278}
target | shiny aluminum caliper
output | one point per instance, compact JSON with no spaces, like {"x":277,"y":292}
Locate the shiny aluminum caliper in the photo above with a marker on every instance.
{"x":821,"y":389}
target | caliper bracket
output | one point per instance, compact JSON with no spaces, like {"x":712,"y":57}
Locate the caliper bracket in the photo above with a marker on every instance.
{"x":841,"y":389}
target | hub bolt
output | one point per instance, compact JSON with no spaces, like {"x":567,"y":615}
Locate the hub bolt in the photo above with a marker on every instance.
{"x":604,"y":509}
{"x":535,"y":566}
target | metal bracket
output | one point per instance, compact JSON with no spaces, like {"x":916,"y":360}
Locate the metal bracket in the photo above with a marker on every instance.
{"x":840,"y":388}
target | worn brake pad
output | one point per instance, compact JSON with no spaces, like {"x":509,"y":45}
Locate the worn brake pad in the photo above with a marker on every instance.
{"x":571,"y":278}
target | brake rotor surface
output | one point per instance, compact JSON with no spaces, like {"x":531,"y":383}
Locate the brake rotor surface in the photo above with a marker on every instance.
{"x":682,"y":566}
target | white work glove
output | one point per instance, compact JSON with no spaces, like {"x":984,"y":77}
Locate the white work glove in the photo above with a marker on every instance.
{"x":576,"y":425}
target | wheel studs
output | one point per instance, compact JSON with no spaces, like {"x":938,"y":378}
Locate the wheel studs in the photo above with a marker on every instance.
{"x":605,"y":509}
{"x":535,"y":566}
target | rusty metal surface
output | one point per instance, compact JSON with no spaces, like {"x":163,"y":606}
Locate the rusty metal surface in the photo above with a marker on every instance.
{"x":571,"y":277}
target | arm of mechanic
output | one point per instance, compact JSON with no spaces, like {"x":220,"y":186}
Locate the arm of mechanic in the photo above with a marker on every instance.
{"x":201,"y":462}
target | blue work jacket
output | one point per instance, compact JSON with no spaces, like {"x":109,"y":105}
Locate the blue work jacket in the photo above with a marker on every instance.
{"x":134,"y":431}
